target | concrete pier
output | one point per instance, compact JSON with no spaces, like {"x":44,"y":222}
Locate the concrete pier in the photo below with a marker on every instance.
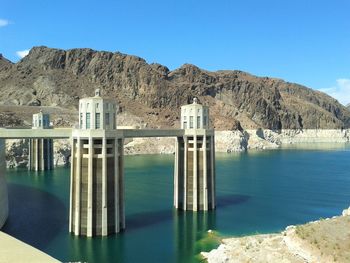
{"x":194,"y":173}
{"x":40,"y":150}
{"x":194,"y":178}
{"x":97,"y":179}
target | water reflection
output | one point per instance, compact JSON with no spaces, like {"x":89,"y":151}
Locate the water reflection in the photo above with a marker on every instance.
{"x":97,"y":249}
{"x":189,"y":227}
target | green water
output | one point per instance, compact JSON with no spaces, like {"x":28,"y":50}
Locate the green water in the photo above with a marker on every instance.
{"x":257,"y":192}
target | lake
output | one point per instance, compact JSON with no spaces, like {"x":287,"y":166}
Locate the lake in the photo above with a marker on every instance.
{"x":257,"y":192}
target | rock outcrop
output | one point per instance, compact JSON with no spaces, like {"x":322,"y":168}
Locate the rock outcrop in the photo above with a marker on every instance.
{"x":248,"y":112}
{"x":54,"y":77}
{"x":323,"y":241}
{"x":17,"y":153}
{"x":62,"y":152}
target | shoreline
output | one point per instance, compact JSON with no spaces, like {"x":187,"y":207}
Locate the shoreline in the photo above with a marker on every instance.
{"x":228,"y":141}
{"x":323,"y":241}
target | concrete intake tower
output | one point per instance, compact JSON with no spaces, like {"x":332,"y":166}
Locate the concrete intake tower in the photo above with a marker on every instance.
{"x":194,"y":178}
{"x":97,"y":187}
{"x":40,"y":149}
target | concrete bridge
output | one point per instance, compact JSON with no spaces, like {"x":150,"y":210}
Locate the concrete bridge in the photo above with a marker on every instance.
{"x":66,"y":133}
{"x":97,"y":170}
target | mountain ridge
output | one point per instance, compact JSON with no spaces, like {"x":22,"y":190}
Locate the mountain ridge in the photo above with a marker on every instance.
{"x":56,"y":77}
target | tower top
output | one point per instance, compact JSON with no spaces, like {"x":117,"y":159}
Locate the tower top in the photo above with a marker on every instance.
{"x":41,"y":120}
{"x":97,"y":112}
{"x":194,"y":116}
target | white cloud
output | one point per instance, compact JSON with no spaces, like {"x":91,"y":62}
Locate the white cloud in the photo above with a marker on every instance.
{"x":3,"y":22}
{"x":22,"y":53}
{"x":341,"y":91}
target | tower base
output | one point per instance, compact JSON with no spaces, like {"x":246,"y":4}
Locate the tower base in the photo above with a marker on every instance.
{"x":194,"y":179}
{"x":97,"y":185}
{"x":40,"y":154}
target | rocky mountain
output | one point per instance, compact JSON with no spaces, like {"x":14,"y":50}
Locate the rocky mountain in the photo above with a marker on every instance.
{"x":153,"y":93}
{"x":348,"y":106}
{"x":4,"y":63}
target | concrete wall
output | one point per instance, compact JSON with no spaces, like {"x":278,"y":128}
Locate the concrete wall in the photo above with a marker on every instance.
{"x":3,"y":186}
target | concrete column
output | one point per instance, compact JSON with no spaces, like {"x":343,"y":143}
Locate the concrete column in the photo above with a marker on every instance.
{"x":36,"y":155}
{"x":195,"y":174}
{"x":212,"y":143}
{"x":121,"y":186}
{"x":104,"y":187}
{"x":72,"y":162}
{"x":49,"y":153}
{"x":185,"y":173}
{"x":79,"y":156}
{"x":90,"y":193}
{"x":116,"y":186}
{"x":205,"y":174}
{"x":47,"y":157}
{"x":30,"y":154}
{"x":176,"y":172}
{"x":42,"y":148}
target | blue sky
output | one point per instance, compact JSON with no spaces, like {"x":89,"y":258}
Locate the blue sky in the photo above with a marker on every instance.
{"x":302,"y":41}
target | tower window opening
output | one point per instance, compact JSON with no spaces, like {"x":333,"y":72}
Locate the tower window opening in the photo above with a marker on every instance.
{"x":191,"y":122}
{"x":107,"y":118}
{"x":97,"y":121}
{"x":88,"y":120}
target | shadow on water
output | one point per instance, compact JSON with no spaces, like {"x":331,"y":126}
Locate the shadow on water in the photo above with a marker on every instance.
{"x":35,"y":217}
{"x":145,"y":219}
{"x":228,"y":200}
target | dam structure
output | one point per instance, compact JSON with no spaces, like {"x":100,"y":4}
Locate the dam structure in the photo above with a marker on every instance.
{"x":40,"y":149}
{"x":4,"y":206}
{"x":97,"y":165}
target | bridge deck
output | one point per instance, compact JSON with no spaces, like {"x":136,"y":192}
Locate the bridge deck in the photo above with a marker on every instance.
{"x":65,"y":133}
{"x":59,"y":133}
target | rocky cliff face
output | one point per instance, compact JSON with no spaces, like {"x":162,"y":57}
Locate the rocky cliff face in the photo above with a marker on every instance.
{"x":53,"y":77}
{"x":17,"y":153}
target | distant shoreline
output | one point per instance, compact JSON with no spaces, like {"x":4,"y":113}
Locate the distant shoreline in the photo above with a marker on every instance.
{"x":228,"y":141}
